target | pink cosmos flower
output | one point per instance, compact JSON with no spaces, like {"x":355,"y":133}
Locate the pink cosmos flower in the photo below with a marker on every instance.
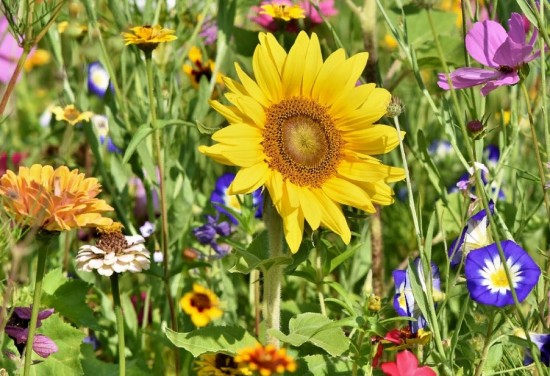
{"x":406,"y":364}
{"x":503,"y":53}
{"x":10,"y":51}
{"x":326,"y":8}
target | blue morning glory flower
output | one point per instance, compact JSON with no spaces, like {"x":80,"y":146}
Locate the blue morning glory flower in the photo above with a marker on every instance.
{"x":98,"y":79}
{"x":403,"y":300}
{"x":473,"y":236}
{"x":542,"y":341}
{"x":222,"y":200}
{"x":486,"y":277}
{"x":209,"y":233}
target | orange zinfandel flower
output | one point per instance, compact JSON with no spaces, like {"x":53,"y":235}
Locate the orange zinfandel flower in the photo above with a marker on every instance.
{"x":54,"y":200}
{"x":266,"y":360}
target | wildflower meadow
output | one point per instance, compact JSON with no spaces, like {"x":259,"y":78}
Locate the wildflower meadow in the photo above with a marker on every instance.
{"x":276,"y":187}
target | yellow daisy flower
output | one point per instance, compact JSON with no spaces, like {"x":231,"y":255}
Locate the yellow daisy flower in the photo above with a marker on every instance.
{"x":71,"y":114}
{"x":305,"y":131}
{"x":147,"y":38}
{"x":202,"y":305}
{"x":217,"y":365}
{"x":39,"y":57}
{"x":54,"y":200}
{"x":266,"y":360}
{"x":283,"y":11}
{"x":199,"y":68}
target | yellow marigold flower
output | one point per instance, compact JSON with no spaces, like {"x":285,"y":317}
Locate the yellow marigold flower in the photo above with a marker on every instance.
{"x":70,"y":114}
{"x":54,"y":200}
{"x":266,"y":360}
{"x":199,"y":68}
{"x":218,"y":365}
{"x":37,"y":58}
{"x":305,"y":131}
{"x":202,"y":305}
{"x":283,"y":11}
{"x":147,"y":38}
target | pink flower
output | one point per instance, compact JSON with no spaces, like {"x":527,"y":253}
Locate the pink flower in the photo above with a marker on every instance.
{"x":406,"y":364}
{"x":326,"y":7}
{"x":12,"y":163}
{"x":503,"y":53}
{"x":10,"y":51}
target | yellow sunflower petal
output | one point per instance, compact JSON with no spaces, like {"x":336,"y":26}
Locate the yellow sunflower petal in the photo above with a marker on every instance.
{"x":231,"y":113}
{"x":315,"y":62}
{"x":363,"y":170}
{"x":372,"y":109}
{"x":352,"y":100}
{"x":276,"y":51}
{"x":249,"y":107}
{"x":293,"y":69}
{"x":293,"y":227}
{"x":252,"y":87}
{"x":310,"y":208}
{"x":375,"y":140}
{"x":236,"y":134}
{"x":275,"y":187}
{"x":338,"y":85}
{"x":323,"y":82}
{"x":234,"y":155}
{"x":249,"y":179}
{"x":267,"y":74}
{"x":347,"y":193}
{"x":333,"y":218}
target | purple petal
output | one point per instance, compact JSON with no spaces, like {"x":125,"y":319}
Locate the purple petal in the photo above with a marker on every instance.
{"x":516,"y":28}
{"x":506,"y":79}
{"x":467,"y":77}
{"x":399,"y":277}
{"x":23,"y":313}
{"x":512,"y":54}
{"x":455,"y":250}
{"x":44,"y":346}
{"x":483,"y":39}
{"x":19,"y":334}
{"x":45,"y":314}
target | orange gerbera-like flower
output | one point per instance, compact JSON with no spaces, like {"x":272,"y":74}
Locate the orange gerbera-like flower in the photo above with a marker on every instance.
{"x":147,"y":37}
{"x":266,"y":360}
{"x":201,"y":304}
{"x":54,"y":200}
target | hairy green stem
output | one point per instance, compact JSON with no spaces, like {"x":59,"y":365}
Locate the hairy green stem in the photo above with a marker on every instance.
{"x":487,"y":342}
{"x":319,"y":282}
{"x":120,"y":325}
{"x":40,"y":270}
{"x":274,"y":275}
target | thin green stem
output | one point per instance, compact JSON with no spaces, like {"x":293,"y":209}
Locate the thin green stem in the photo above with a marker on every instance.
{"x":274,"y":275}
{"x":319,"y":282}
{"x":119,"y":324}
{"x":355,"y":368}
{"x":40,"y":270}
{"x":486,"y":346}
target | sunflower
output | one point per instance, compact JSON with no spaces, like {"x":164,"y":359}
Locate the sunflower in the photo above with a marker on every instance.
{"x":71,"y":114}
{"x":202,"y":305}
{"x":54,"y":200}
{"x":217,"y":365}
{"x":147,"y":37}
{"x":304,"y":130}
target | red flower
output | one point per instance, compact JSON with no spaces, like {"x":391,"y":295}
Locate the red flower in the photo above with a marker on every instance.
{"x":406,"y":364}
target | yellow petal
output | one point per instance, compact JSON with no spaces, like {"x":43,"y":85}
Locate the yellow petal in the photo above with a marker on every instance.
{"x":314,"y":60}
{"x":310,"y":208}
{"x":347,"y":193}
{"x":275,"y":187}
{"x":267,"y":74}
{"x":362,"y":170}
{"x":333,"y":218}
{"x":234,"y":155}
{"x":375,"y":140}
{"x":372,"y":109}
{"x":293,"y":227}
{"x":350,"y":100}
{"x":238,"y":134}
{"x":324,"y":79}
{"x":249,"y":108}
{"x":293,"y":69}
{"x":249,"y":179}
{"x":251,"y":87}
{"x":275,"y":50}
{"x":231,"y":113}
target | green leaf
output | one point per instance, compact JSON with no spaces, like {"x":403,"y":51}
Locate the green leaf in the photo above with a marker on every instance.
{"x":93,"y":366}
{"x":322,"y":365}
{"x":316,"y":329}
{"x":68,"y":297}
{"x":68,"y":340}
{"x":143,"y":131}
{"x":257,"y":256}
{"x":227,"y":339}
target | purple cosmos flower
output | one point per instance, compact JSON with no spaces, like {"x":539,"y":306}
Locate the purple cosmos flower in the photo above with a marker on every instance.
{"x":486,"y":277}
{"x":18,"y":330}
{"x":473,"y":236}
{"x":542,"y":340}
{"x":403,"y":300}
{"x":223,"y":201}
{"x":98,"y":79}
{"x":10,"y":51}
{"x":503,"y":53}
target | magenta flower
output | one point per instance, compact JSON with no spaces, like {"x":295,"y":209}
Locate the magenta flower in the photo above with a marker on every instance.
{"x":326,"y":8}
{"x":18,"y":330}
{"x":10,"y":51}
{"x":503,"y":53}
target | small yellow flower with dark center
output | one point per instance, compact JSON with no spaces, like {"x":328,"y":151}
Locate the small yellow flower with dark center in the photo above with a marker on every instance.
{"x":266,"y":360}
{"x":306,"y":132}
{"x":54,"y":200}
{"x":217,"y":365}
{"x":114,"y":253}
{"x":147,"y":37}
{"x":70,"y":114}
{"x":198,"y":68}
{"x":202,"y":305}
{"x":283,"y":11}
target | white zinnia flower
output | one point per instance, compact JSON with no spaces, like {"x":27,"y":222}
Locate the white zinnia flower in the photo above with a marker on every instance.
{"x":114,"y":253}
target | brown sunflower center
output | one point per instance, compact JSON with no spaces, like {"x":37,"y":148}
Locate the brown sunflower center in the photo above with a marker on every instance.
{"x":301,"y":141}
{"x":201,"y":301}
{"x":223,"y":362}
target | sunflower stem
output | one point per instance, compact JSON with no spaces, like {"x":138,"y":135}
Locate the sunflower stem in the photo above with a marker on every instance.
{"x":157,"y":147}
{"x":273,"y":276}
{"x":120,"y":325}
{"x":46,"y":243}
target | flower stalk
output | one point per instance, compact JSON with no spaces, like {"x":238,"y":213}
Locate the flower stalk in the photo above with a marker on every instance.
{"x":274,"y":275}
{"x":40,"y":271}
{"x":120,"y":325}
